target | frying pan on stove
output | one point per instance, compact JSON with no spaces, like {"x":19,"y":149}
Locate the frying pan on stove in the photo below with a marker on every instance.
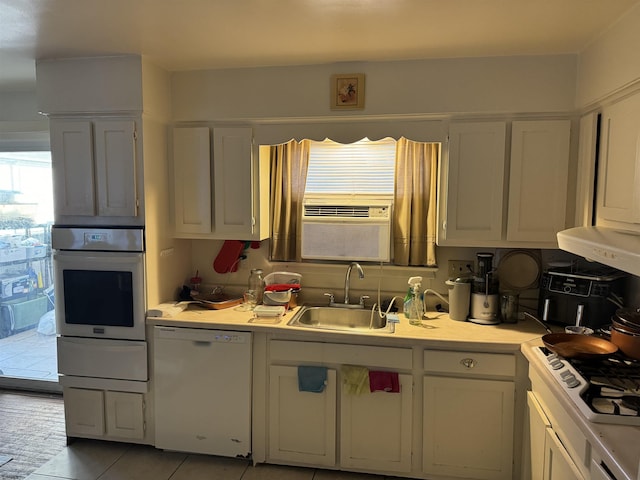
{"x":569,"y":345}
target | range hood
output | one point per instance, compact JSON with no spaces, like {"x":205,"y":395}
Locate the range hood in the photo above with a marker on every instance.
{"x":613,"y":247}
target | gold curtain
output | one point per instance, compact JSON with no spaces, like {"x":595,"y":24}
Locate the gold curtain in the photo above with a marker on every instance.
{"x":414,"y":219}
{"x":289,"y":162}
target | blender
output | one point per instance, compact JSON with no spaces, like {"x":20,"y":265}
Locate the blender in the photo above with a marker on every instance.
{"x":485,"y":298}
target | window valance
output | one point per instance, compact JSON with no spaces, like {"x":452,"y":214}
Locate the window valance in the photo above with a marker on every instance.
{"x":343,"y":131}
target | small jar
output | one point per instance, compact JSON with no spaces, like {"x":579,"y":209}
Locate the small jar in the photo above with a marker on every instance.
{"x":195,"y":283}
{"x":256,"y":285}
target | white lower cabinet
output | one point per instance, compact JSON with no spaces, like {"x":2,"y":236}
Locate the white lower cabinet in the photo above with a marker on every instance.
{"x":99,"y":413}
{"x":302,"y":425}
{"x":557,"y":462}
{"x":468,"y":420}
{"x":559,"y":450}
{"x":375,"y":429}
{"x":371,"y":431}
{"x":549,"y":457}
{"x":468,"y":427}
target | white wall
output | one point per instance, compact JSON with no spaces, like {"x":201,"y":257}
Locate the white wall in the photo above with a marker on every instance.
{"x":420,"y":87}
{"x":20,"y":123}
{"x":611,"y":62}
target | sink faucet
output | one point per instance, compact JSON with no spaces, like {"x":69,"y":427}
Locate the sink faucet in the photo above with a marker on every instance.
{"x":347,"y":278}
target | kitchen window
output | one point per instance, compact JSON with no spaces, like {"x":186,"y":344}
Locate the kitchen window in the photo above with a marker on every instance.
{"x":361,"y":170}
{"x":356,"y":169}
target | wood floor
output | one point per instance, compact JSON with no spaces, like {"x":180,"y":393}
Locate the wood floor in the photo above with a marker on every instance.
{"x":31,"y":432}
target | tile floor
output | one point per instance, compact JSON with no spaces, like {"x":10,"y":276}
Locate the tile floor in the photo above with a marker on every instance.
{"x":29,"y":354}
{"x":92,"y":460}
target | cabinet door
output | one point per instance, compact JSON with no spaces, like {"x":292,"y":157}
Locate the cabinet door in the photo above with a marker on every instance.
{"x":302,"y":425}
{"x":618,"y":196}
{"x":585,"y":181}
{"x":468,"y":428}
{"x":538,"y":425}
{"x":597,"y":472}
{"x":84,"y":412}
{"x":192,"y":180}
{"x":115,"y":157}
{"x":538,"y":180}
{"x":233,"y":183}
{"x":474,"y":179}
{"x":73,"y":167}
{"x":124,"y":414}
{"x":375,"y":429}
{"x":557,"y":462}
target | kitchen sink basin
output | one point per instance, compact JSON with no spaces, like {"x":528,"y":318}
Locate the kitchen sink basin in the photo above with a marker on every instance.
{"x":344,"y":319}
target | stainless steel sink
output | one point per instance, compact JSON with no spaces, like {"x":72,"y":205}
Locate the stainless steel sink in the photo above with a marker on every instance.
{"x":344,"y":319}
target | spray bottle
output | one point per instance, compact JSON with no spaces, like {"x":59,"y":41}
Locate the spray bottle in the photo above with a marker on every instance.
{"x":413,"y":302}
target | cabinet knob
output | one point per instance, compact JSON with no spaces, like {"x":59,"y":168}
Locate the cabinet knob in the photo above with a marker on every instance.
{"x":468,"y":362}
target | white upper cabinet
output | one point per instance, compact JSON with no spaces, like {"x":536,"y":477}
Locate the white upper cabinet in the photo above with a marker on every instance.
{"x":473,"y":181}
{"x":192,"y":180}
{"x":618,"y":195}
{"x":489,"y":199}
{"x":233,"y":170}
{"x":221,"y":197}
{"x":585,"y":181}
{"x":94,"y":167}
{"x":538,"y":180}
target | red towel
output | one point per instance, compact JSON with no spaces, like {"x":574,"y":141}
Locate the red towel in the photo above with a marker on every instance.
{"x":384,"y":381}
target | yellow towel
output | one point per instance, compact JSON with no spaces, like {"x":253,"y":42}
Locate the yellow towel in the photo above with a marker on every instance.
{"x":355,"y":380}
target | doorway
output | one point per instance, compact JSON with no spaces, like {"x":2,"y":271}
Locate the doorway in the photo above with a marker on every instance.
{"x":28,"y":358}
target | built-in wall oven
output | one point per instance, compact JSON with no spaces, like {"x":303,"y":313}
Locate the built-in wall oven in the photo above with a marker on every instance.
{"x":99,"y":278}
{"x":100,"y":318}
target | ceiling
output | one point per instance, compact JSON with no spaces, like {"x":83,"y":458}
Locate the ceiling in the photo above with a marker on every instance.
{"x":204,"y":34}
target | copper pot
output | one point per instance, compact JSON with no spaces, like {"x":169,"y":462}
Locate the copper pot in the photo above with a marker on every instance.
{"x":627,"y":341}
{"x":627,"y":320}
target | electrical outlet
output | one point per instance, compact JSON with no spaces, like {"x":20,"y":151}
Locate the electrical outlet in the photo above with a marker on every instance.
{"x":458,"y":268}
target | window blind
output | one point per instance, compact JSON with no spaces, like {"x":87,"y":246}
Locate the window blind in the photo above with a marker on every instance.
{"x":363,"y":167}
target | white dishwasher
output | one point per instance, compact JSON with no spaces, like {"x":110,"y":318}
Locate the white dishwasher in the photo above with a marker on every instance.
{"x":202,"y":391}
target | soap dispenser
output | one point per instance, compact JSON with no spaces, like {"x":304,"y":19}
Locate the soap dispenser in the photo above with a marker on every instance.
{"x":413,"y":304}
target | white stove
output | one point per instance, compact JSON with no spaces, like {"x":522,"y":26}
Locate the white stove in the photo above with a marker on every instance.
{"x":604,"y":390}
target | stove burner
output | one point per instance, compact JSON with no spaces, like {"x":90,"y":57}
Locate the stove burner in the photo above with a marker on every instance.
{"x":609,"y":386}
{"x":611,"y":406}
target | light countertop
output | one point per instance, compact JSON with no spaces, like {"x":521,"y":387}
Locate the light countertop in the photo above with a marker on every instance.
{"x":436,"y":331}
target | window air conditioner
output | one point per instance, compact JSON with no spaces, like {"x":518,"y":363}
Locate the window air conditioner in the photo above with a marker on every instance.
{"x":346,"y":231}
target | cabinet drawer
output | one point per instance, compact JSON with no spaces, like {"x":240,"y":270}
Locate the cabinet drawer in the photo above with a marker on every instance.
{"x":470,"y":363}
{"x":338,"y":354}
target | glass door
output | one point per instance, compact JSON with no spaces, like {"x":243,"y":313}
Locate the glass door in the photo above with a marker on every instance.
{"x":27,"y":324}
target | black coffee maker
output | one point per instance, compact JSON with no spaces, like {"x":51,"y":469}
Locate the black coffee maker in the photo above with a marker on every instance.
{"x":485,"y":298}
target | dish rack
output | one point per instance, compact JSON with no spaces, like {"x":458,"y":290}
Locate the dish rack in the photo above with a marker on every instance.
{"x":282,"y":288}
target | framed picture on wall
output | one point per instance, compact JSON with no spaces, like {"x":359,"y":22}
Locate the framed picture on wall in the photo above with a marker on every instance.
{"x":347,"y":91}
